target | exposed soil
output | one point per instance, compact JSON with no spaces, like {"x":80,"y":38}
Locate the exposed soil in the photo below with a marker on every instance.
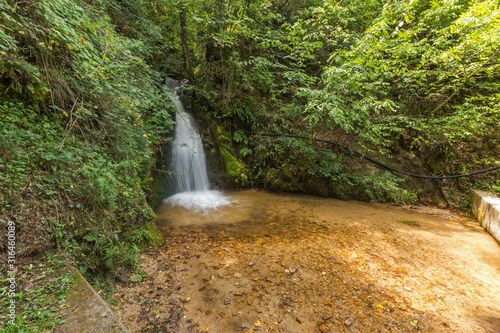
{"x":285,"y":263}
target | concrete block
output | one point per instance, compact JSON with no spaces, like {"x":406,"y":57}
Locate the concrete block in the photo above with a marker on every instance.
{"x":486,"y":207}
{"x":87,"y":311}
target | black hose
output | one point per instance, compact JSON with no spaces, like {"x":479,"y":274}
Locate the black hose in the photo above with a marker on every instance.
{"x":366,"y":157}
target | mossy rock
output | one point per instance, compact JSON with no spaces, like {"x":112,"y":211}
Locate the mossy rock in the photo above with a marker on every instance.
{"x":220,"y":136}
{"x":145,"y":235}
{"x":234,"y":168}
{"x":162,"y":183}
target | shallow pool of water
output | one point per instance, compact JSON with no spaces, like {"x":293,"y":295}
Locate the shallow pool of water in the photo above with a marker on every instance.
{"x":306,"y":257}
{"x":239,"y":206}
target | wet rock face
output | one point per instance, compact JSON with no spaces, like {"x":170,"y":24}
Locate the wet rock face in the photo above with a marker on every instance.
{"x":486,"y":207}
{"x":163,"y":184}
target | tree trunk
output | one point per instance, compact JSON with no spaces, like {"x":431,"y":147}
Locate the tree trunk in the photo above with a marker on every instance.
{"x":185,"y":50}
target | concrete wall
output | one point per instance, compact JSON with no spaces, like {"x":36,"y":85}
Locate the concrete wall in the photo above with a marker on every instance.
{"x":86,"y":311}
{"x":486,"y":207}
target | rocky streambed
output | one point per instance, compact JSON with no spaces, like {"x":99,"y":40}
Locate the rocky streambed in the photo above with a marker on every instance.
{"x":286,"y":263}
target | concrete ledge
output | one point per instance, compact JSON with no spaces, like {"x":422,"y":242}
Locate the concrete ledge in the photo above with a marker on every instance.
{"x":486,"y":207}
{"x":87,"y":311}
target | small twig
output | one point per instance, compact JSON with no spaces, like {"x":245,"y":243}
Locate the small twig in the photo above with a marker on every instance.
{"x":17,"y":3}
{"x":463,"y":83}
{"x":70,"y":126}
{"x":83,"y":134}
{"x":48,"y":79}
{"x":102,"y":60}
{"x":282,"y":5}
{"x":29,"y":182}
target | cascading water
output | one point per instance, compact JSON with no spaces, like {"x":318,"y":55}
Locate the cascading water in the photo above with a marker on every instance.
{"x":189,"y":163}
{"x":187,"y":153}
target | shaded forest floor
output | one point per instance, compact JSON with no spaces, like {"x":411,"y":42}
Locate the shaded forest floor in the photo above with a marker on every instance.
{"x":306,"y":264}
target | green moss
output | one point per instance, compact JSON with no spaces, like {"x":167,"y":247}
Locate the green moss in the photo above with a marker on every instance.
{"x":236,"y":171}
{"x":146,"y":235}
{"x":234,"y":168}
{"x":157,"y":238}
{"x":222,"y":139}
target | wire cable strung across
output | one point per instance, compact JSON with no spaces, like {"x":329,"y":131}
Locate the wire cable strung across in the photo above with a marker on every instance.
{"x":385,"y":166}
{"x":367,"y":157}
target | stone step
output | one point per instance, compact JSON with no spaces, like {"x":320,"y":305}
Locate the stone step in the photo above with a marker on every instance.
{"x":486,"y":207}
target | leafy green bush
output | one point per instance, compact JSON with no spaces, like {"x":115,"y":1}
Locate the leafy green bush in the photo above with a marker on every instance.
{"x":81,"y":114}
{"x":422,"y":76}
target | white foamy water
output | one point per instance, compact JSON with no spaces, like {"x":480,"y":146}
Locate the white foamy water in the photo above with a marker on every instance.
{"x":189,"y":163}
{"x":199,"y":200}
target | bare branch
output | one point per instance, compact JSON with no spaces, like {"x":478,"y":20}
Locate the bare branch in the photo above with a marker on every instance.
{"x":102,"y":60}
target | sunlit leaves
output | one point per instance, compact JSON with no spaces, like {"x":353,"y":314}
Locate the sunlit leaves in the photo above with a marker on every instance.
{"x":406,"y":55}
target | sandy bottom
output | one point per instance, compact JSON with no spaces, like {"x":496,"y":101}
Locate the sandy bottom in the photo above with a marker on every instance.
{"x":286,"y":263}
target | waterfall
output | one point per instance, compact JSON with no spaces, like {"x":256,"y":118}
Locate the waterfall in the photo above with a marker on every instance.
{"x":192,"y":187}
{"x":190,"y":167}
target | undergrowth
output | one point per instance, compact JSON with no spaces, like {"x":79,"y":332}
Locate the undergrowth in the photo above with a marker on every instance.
{"x":82,"y":113}
{"x":42,"y":290}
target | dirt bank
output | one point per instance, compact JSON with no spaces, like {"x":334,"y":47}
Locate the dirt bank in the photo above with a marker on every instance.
{"x":305,"y":264}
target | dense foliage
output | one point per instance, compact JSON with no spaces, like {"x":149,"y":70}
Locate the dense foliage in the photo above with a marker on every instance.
{"x":84,"y":115}
{"x":422,"y":78}
{"x":81,"y":112}
{"x":425,"y":74}
{"x":251,"y":59}
{"x":413,"y":83}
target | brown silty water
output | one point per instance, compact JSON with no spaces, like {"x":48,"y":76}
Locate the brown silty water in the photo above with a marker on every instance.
{"x":289,"y":263}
